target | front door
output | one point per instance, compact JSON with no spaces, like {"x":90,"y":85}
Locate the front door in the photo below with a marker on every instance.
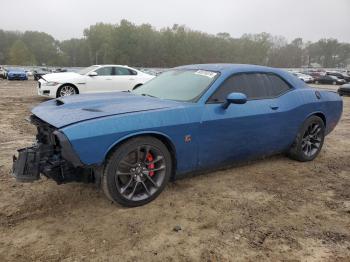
{"x":242,"y":132}
{"x":102,"y":82}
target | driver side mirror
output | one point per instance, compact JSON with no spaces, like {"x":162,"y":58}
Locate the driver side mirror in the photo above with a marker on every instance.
{"x":235,"y":98}
{"x":92,"y":74}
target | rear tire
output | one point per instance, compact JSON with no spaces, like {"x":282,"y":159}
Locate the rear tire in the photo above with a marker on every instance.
{"x":334,"y":83}
{"x":137,"y":172}
{"x":309,"y":141}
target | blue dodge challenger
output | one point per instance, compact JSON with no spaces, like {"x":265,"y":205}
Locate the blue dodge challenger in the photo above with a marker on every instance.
{"x":190,"y":118}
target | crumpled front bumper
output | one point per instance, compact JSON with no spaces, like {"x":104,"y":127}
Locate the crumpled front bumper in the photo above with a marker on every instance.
{"x":43,"y":159}
{"x":51,"y":156}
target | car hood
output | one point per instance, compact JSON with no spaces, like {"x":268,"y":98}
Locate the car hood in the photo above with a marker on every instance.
{"x":61,"y":77}
{"x":72,"y":109}
{"x":16,"y":72}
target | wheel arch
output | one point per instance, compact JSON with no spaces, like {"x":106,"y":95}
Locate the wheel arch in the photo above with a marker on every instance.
{"x":320,"y":115}
{"x":166,"y":140}
{"x":67,"y":84}
{"x":136,"y":86}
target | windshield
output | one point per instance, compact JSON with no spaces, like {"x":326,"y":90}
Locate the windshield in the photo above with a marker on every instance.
{"x":179,"y":85}
{"x":87,"y":70}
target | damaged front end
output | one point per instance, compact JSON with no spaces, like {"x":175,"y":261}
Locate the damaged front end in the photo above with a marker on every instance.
{"x":52,"y":156}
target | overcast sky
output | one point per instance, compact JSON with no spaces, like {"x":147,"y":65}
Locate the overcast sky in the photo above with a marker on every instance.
{"x":64,"y":19}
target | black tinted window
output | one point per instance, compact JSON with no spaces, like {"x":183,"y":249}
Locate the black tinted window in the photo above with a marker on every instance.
{"x":121,"y":71}
{"x":132,"y":72}
{"x":105,"y":71}
{"x":276,"y":86}
{"x":253,"y":85}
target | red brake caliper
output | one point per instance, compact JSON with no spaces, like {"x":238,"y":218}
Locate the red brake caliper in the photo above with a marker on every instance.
{"x":150,"y":166}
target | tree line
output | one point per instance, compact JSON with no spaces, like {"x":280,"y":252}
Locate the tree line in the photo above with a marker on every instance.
{"x":144,"y":46}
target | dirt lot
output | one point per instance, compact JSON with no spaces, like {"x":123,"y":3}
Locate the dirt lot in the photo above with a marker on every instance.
{"x":272,"y":209}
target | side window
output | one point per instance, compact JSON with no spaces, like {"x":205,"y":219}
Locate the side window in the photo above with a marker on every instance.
{"x":121,"y":71}
{"x":132,"y":72}
{"x":253,"y":85}
{"x":276,"y":86}
{"x":105,"y":71}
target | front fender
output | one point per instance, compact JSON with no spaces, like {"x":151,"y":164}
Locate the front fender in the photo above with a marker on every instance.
{"x":92,"y":140}
{"x":142,"y":133}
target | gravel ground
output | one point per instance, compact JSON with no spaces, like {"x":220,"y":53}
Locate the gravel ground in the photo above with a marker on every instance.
{"x":271,"y":209}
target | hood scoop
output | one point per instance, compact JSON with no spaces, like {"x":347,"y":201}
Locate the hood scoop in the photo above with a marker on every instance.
{"x":59,"y":102}
{"x":92,"y":110}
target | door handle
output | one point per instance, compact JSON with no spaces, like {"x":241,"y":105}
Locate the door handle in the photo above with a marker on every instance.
{"x":274,"y":107}
{"x":108,"y":79}
{"x":131,"y":78}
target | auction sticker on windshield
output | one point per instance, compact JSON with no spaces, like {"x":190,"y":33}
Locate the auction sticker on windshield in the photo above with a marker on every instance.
{"x":206,"y":73}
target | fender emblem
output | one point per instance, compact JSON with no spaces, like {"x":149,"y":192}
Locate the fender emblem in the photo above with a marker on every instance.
{"x":188,"y":138}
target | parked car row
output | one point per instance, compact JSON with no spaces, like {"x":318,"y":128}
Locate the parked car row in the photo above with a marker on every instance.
{"x":323,"y":77}
{"x":306,"y":78}
{"x":14,"y":73}
{"x":30,"y":72}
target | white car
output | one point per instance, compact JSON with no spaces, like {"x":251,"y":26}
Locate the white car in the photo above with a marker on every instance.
{"x":93,"y":79}
{"x":3,"y":72}
{"x":304,"y":77}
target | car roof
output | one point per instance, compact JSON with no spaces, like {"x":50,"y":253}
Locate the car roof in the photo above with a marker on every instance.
{"x":230,"y":68}
{"x":112,"y":65}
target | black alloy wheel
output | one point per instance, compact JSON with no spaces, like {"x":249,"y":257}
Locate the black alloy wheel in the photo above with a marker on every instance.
{"x":137,"y":172}
{"x":312,"y":139}
{"x":309,"y":140}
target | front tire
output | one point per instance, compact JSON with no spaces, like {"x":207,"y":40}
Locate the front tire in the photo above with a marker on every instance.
{"x":66,"y":90}
{"x":309,"y":140}
{"x":137,"y":172}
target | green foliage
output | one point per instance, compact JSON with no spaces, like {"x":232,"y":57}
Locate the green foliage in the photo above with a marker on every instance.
{"x":19,"y":54}
{"x":143,"y":45}
{"x":43,"y":46}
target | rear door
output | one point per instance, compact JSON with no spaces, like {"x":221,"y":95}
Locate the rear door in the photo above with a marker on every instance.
{"x":123,"y":79}
{"x":243,"y":131}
